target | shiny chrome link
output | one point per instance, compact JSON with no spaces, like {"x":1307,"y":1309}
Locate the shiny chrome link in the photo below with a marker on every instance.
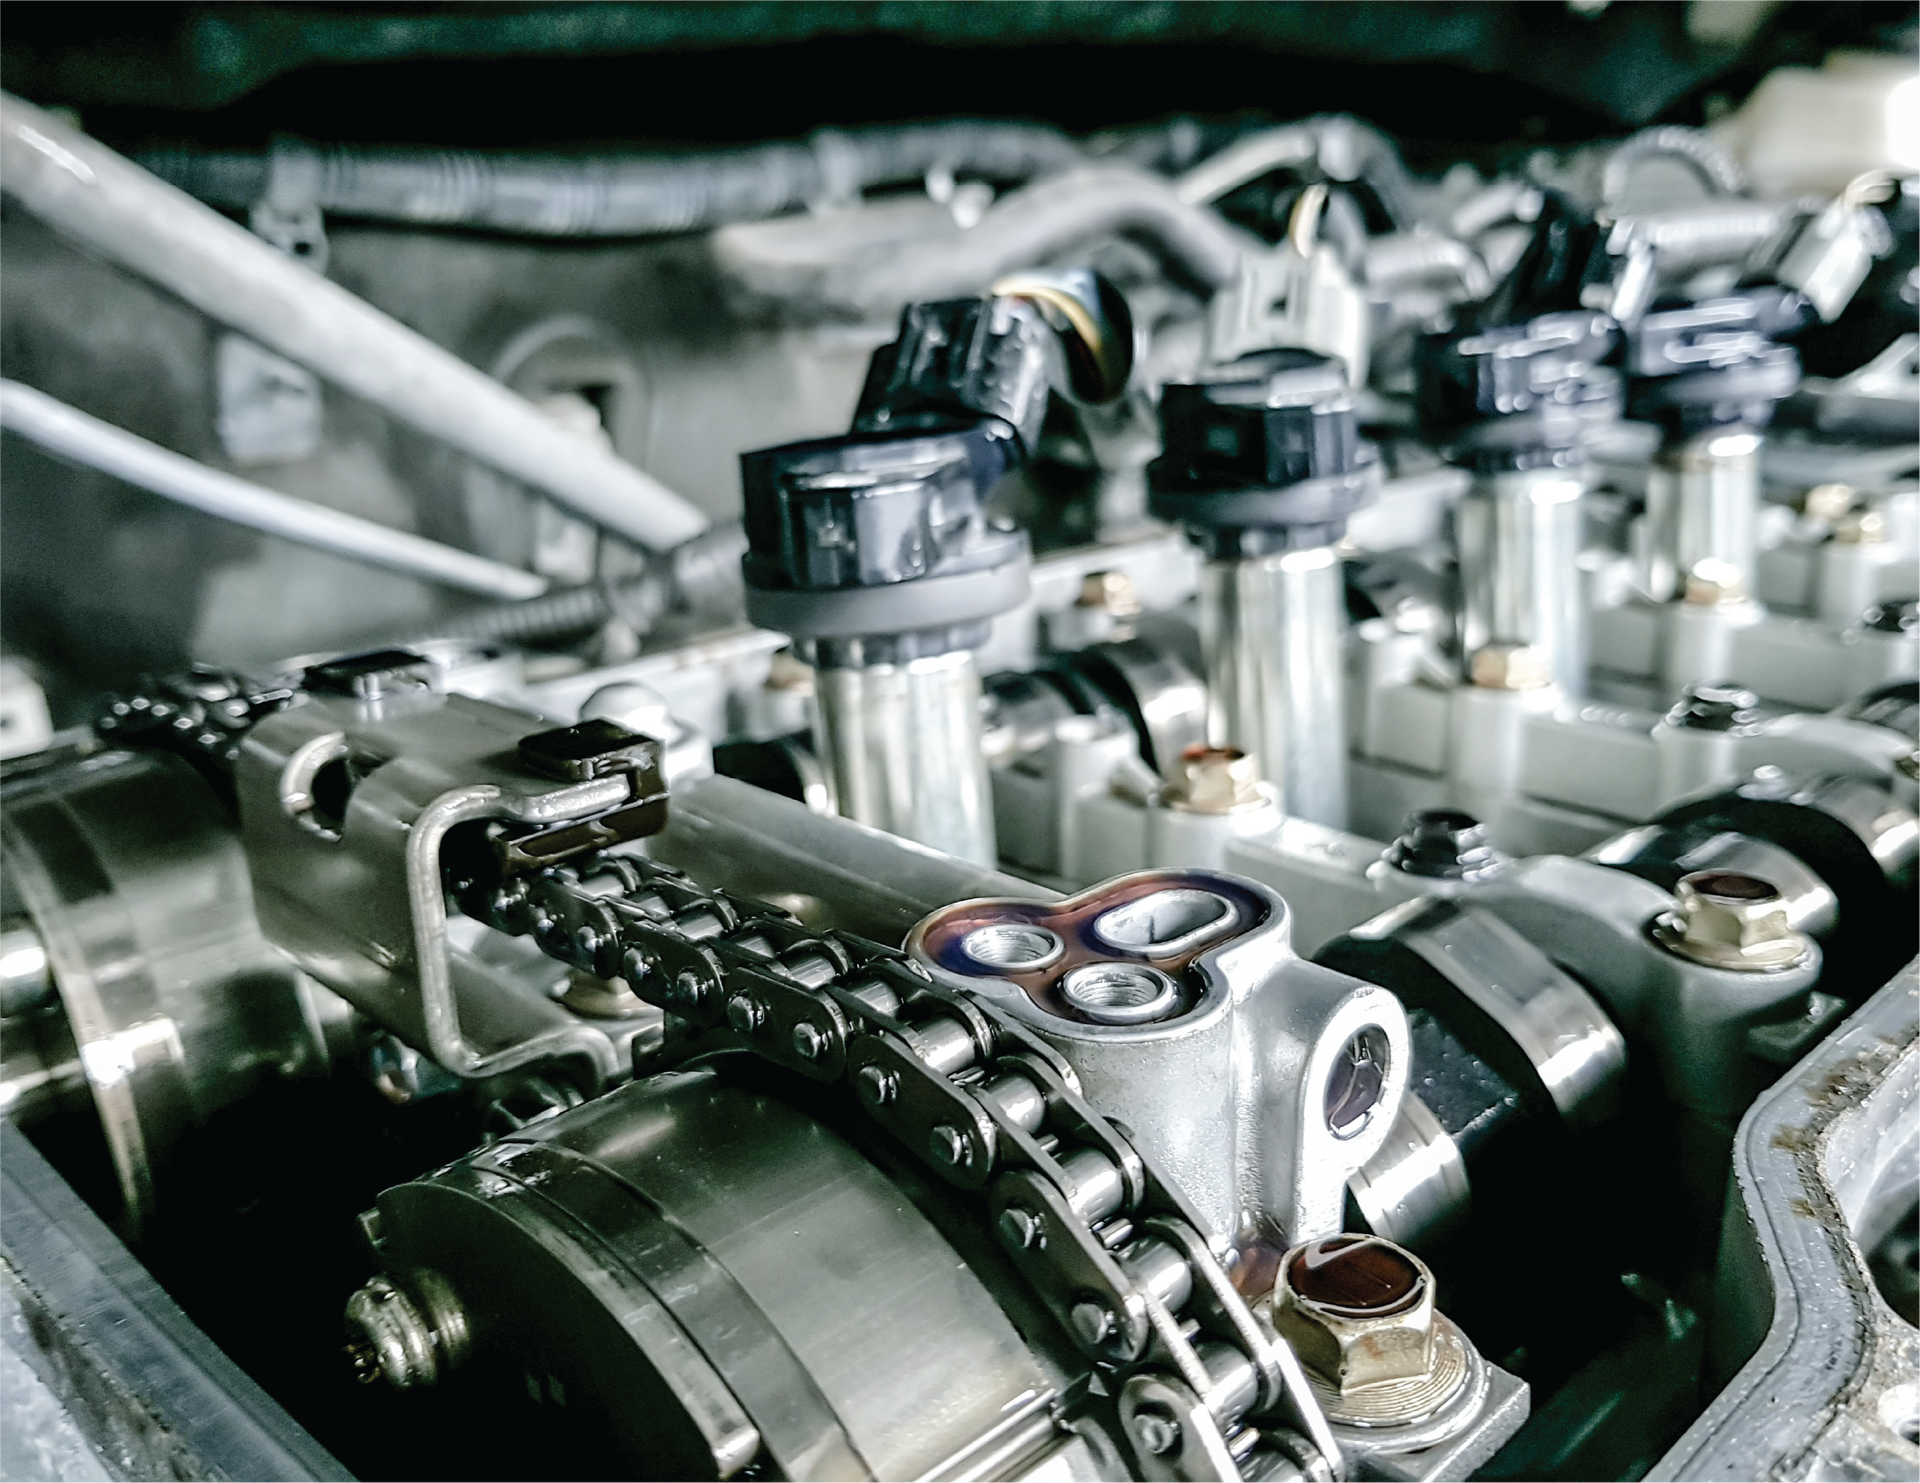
{"x":736,"y":974}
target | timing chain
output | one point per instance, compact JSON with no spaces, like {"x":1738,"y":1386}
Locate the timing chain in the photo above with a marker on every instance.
{"x":1114,"y":1250}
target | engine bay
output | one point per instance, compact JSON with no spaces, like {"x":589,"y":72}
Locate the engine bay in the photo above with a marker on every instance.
{"x":1138,"y":789}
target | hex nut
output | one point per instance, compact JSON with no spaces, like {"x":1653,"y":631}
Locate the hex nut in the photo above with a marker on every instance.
{"x":1827,"y":501}
{"x":1509,"y":667}
{"x":1358,"y":1310}
{"x":1712,"y":582}
{"x":1215,"y":780}
{"x":1728,"y":920}
{"x":1110,"y":591}
{"x":1866,"y":527}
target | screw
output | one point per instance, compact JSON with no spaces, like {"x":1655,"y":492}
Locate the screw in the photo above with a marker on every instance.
{"x":1893,"y":617}
{"x":1827,"y":501}
{"x":1444,"y":844}
{"x":1357,"y":1310}
{"x":1729,"y":920}
{"x":745,"y":1014}
{"x":1712,"y":582}
{"x":1215,"y":780}
{"x":1112,"y":591}
{"x":878,"y":1086}
{"x":1020,"y":1227}
{"x":1860,"y":528}
{"x":809,"y":1043}
{"x":949,"y":1147}
{"x":1091,"y":1321}
{"x":1509,"y":667}
{"x":1156,"y":1431}
{"x":1715,"y":708}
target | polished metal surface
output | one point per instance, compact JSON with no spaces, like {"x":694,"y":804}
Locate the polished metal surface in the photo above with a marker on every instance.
{"x":904,"y":751}
{"x":1415,"y":1189}
{"x":359,"y":902}
{"x":1572,"y":1046}
{"x":1824,"y":1378}
{"x":138,"y":891}
{"x":829,"y":871}
{"x":26,"y":978}
{"x":744,"y":1265}
{"x":1272,"y":630}
{"x":1231,"y":1096}
{"x":1519,"y":537}
{"x":1703,"y":504}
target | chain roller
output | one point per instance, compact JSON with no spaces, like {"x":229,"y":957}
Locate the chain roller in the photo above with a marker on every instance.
{"x":1115,"y":1251}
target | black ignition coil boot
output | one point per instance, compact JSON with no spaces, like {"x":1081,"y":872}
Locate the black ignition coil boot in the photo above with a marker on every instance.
{"x":1518,"y":396}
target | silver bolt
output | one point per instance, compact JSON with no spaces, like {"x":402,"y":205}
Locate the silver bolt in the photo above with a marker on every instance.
{"x":745,"y":1014}
{"x":1091,"y":1321}
{"x":1019,"y":1226}
{"x":1156,"y":1431}
{"x":1730,"y":920}
{"x":949,"y":1147}
{"x":808,"y":1041}
{"x":878,"y":1086}
{"x":1215,"y":780}
{"x":1509,"y":667}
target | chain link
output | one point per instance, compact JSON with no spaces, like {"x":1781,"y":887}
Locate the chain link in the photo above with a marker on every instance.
{"x":1113,"y":1249}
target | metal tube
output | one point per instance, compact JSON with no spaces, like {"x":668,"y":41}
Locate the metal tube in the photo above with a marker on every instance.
{"x":610,"y":195}
{"x":100,"y":445}
{"x":904,"y":752}
{"x":1034,"y":223}
{"x":832,"y":871}
{"x":112,"y":206}
{"x":1703,"y":504}
{"x":1273,"y":629}
{"x":1519,"y":545}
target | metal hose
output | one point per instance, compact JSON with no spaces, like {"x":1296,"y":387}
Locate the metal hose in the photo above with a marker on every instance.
{"x":72,"y":434}
{"x":608,"y":196}
{"x":113,"y":207}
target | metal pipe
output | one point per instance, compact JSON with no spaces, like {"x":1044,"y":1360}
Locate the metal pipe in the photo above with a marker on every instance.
{"x":112,"y":206}
{"x":832,"y":871}
{"x":1519,"y":546}
{"x":904,"y":750}
{"x":100,"y":445}
{"x":1272,"y":628}
{"x":1031,"y":225}
{"x":1703,"y":505}
{"x":610,"y":196}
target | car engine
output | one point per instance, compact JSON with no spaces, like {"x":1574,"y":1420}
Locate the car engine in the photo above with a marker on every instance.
{"x":888,"y":771}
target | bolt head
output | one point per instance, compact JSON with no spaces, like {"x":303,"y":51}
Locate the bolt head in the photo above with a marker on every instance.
{"x":1357,"y":1310}
{"x":1509,"y":667}
{"x":1019,"y":1227}
{"x":1827,"y":501}
{"x":1157,"y":1432}
{"x":1728,"y":920}
{"x":1111,"y":591}
{"x":1092,"y":1322}
{"x":1860,"y":528}
{"x":1215,"y":780}
{"x":949,"y":1147}
{"x":745,"y":1013}
{"x":689,"y":988}
{"x":1444,"y":844}
{"x":1892,"y":617}
{"x":809,"y":1043}
{"x":1715,"y":708}
{"x":877,"y":1085}
{"x":1712,"y":582}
